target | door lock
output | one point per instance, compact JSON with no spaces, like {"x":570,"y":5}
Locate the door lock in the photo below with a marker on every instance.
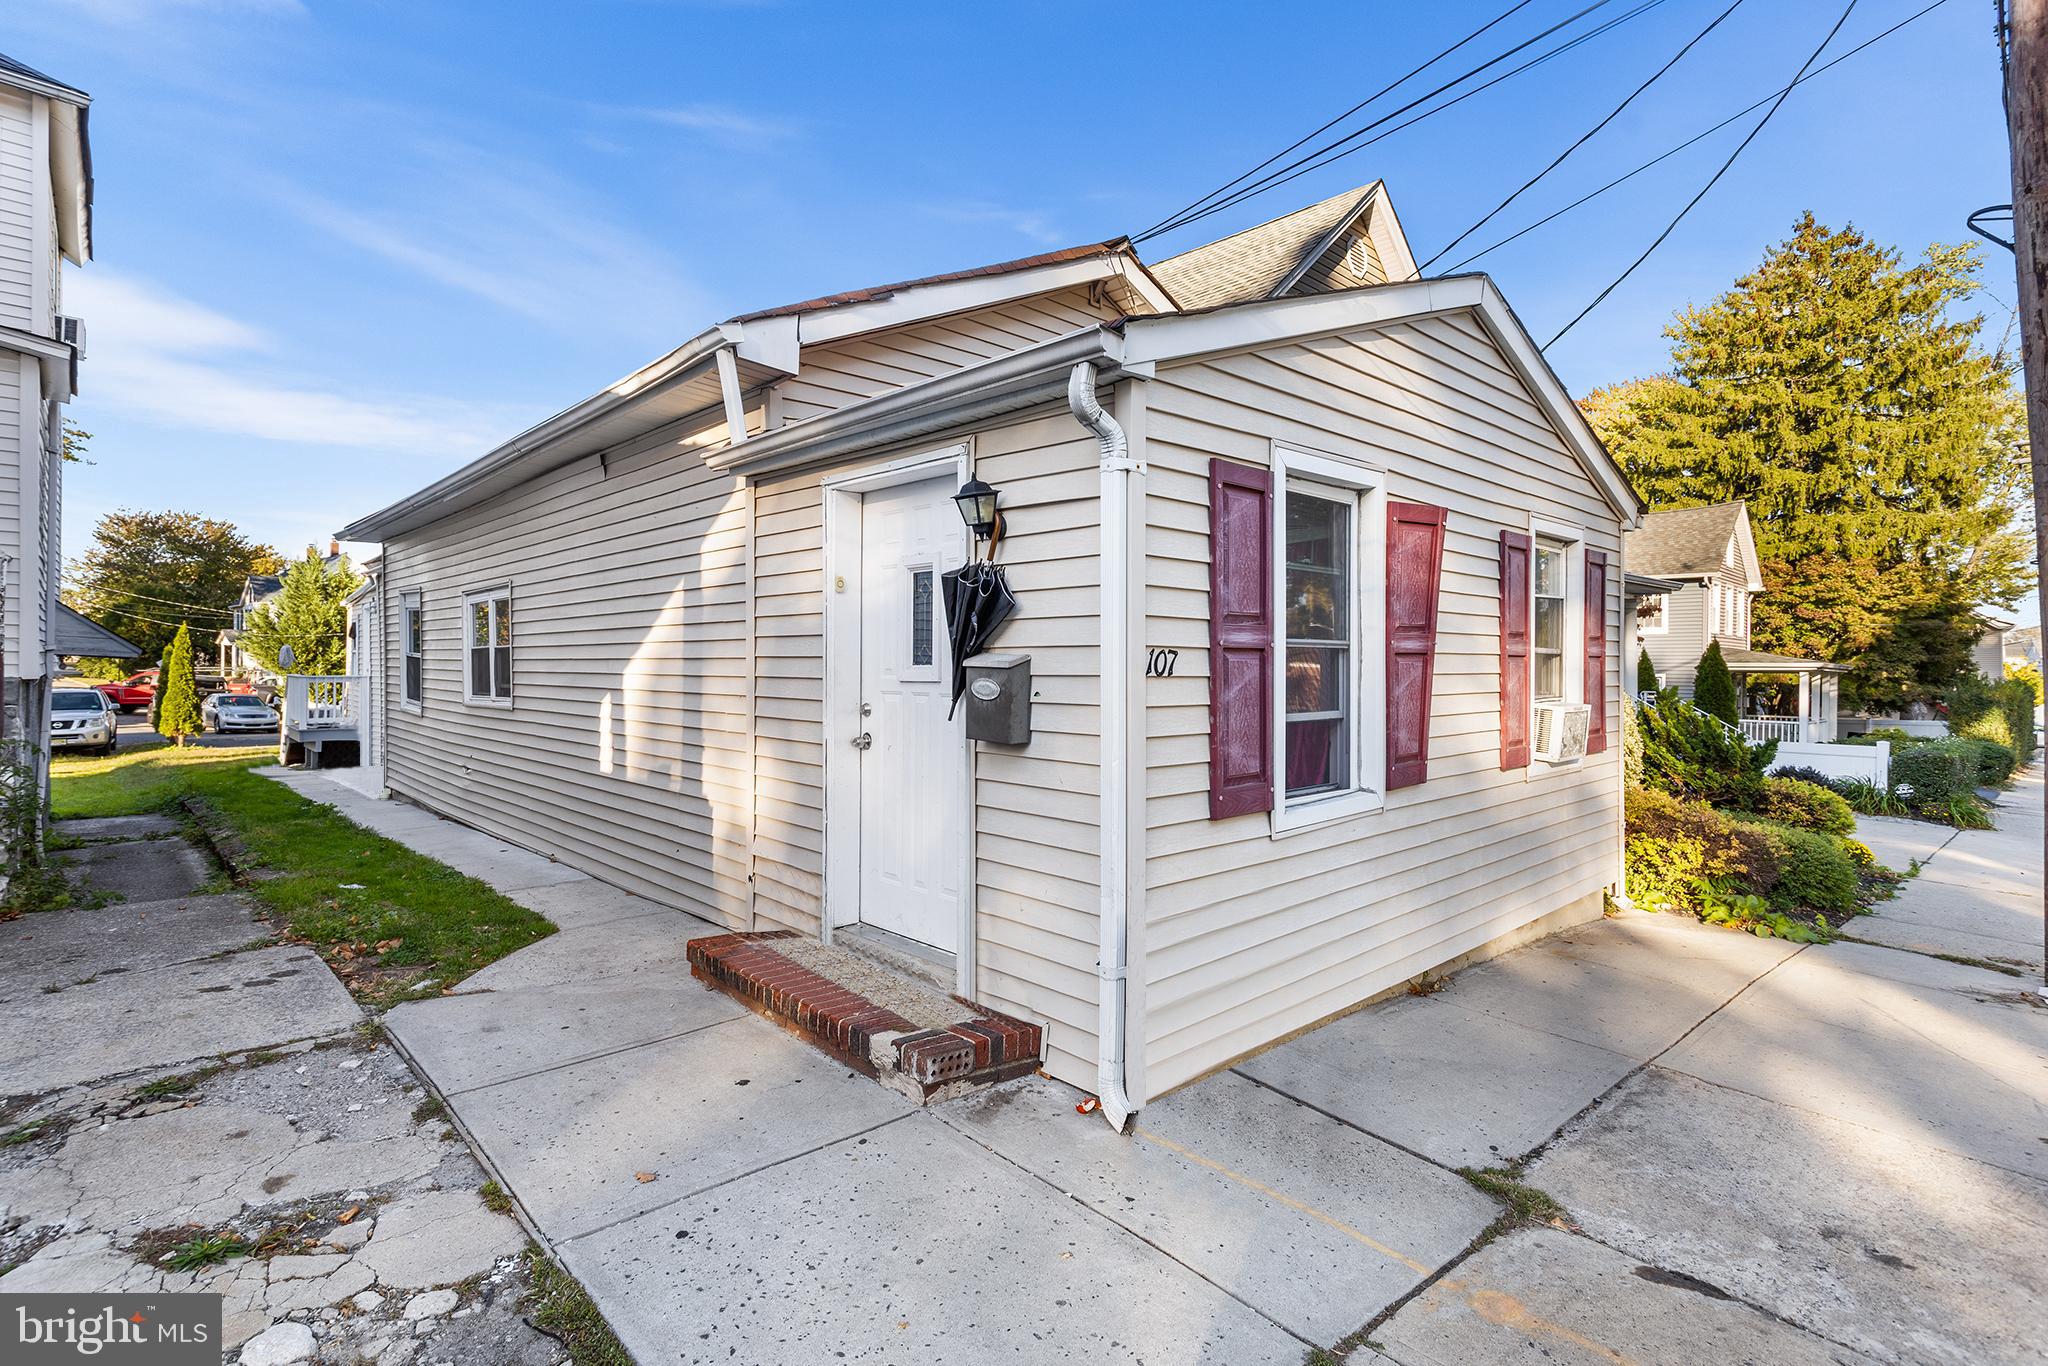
{"x":863,"y":741}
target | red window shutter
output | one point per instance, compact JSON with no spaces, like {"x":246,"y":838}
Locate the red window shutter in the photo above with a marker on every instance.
{"x":1240,"y":639}
{"x":1516,"y":547}
{"x":1415,"y":561}
{"x":1596,"y":649}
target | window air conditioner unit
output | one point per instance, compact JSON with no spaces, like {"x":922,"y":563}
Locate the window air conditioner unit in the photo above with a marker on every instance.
{"x":71,"y":331}
{"x":1561,"y":731}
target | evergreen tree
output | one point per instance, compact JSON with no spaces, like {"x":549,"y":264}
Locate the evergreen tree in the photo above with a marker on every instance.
{"x":1881,"y":453}
{"x":1646,"y":673}
{"x":308,"y":614}
{"x":1713,"y":687}
{"x":177,"y":692}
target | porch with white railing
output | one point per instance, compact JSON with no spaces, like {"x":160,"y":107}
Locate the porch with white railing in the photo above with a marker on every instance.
{"x":1787,"y":730}
{"x":319,"y":710}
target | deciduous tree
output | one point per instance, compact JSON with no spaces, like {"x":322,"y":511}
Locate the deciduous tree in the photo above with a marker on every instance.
{"x":1840,"y":392}
{"x":148,"y":573}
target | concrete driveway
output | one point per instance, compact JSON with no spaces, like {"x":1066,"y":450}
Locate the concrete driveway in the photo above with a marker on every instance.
{"x":1764,"y":1153}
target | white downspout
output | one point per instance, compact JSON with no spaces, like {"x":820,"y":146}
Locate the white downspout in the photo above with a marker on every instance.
{"x":1113,"y":918}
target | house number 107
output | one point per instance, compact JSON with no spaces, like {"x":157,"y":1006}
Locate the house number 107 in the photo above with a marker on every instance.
{"x":1159,"y":663}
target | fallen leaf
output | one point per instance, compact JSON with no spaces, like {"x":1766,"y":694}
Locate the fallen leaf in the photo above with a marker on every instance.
{"x":643,"y":1177}
{"x":346,"y":1215}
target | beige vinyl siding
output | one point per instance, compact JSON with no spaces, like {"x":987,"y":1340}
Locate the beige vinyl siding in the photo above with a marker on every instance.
{"x":624,"y":749}
{"x":15,"y":425}
{"x":18,"y":170}
{"x":1249,"y":937}
{"x":1676,"y":653}
{"x":1332,"y":270}
{"x":836,"y":374}
{"x":1035,"y":815}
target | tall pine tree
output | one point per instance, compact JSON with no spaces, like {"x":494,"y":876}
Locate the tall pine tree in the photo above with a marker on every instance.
{"x":1836,"y":390}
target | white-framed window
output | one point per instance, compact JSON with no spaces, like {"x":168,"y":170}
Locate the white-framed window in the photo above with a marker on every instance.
{"x":1550,"y":625}
{"x":487,"y":646}
{"x":1653,"y":614}
{"x":1330,"y":676}
{"x":412,"y":646}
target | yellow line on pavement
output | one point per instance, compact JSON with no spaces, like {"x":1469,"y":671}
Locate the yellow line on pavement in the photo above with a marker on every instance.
{"x":1495,"y":1306}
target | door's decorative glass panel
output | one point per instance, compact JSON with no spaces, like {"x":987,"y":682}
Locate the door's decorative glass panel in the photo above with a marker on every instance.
{"x":920,"y":617}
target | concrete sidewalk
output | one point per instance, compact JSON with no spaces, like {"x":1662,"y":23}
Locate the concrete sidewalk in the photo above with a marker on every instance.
{"x":1767,"y":1153}
{"x":1978,"y":894}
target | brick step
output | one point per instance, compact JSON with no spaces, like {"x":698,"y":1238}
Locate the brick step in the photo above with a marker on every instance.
{"x":925,"y":1060}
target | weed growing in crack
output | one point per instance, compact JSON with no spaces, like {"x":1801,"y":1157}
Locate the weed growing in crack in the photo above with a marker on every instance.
{"x":209,"y":1249}
{"x":169,"y":1088}
{"x":494,"y":1197}
{"x":560,"y":1307}
{"x":27,"y":1133}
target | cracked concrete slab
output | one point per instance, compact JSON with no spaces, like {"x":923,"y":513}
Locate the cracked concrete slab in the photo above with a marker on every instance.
{"x":141,"y":870}
{"x":170,"y":1015}
{"x":688,"y":1112}
{"x":1543,"y":1296}
{"x":114,"y":827}
{"x":856,"y":1252}
{"x":1934,"y":918}
{"x":1463,"y":1088}
{"x":587,"y":902}
{"x":1343,"y":1224}
{"x":1898,"y":843}
{"x":1895,"y":1248}
{"x":1938,"y":1053}
{"x":470,"y":1040}
{"x":58,"y":948}
{"x":438,"y":1238}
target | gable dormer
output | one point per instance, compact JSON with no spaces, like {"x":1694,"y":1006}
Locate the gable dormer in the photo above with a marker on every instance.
{"x":1346,"y":241}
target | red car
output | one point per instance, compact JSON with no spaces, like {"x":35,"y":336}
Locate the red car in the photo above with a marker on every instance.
{"x":132,"y":693}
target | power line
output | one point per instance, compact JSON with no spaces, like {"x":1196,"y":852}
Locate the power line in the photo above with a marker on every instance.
{"x":172,"y":602}
{"x":1330,"y":154}
{"x":1588,"y":136}
{"x":1696,"y":138}
{"x":153,"y":621}
{"x":1318,"y":132}
{"x":1713,"y":180}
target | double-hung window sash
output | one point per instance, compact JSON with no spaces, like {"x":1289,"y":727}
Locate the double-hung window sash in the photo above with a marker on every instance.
{"x":1549,"y":643}
{"x":490,"y":647}
{"x":1321,"y":658}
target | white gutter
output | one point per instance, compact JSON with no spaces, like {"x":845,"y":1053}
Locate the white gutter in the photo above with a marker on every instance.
{"x":1113,"y":915}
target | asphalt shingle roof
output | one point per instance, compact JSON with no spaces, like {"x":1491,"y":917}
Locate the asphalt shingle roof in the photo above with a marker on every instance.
{"x":1684,"y":542}
{"x":10,"y":67}
{"x":1252,"y":264}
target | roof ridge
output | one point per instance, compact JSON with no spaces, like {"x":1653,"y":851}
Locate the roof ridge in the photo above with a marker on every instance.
{"x":1361,"y":191}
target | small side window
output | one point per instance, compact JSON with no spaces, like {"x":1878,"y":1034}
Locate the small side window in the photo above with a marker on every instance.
{"x":487,"y":628}
{"x":412,"y":643}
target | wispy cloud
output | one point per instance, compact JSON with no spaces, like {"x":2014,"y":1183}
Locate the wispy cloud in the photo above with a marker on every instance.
{"x":184,"y":365}
{"x":1035,"y":224}
{"x":719,"y":122}
{"x":514,"y":234}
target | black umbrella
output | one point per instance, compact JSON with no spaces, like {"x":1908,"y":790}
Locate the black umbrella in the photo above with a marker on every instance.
{"x":978,"y":600}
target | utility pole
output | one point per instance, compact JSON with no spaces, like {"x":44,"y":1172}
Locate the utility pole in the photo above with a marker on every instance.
{"x":2026,"y":115}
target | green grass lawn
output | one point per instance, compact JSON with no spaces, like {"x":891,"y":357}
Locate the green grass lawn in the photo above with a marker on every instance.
{"x":394,"y":924}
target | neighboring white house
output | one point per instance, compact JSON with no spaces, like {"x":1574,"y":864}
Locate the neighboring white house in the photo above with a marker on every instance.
{"x":1318,"y":576}
{"x":45,"y":219}
{"x":235,"y":662}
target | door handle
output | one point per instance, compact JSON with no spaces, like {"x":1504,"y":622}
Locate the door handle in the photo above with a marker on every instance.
{"x":863,"y":741}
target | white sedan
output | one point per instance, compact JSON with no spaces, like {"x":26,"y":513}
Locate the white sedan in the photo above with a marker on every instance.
{"x":226,"y":711}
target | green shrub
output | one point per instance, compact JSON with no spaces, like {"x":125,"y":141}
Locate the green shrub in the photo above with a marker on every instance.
{"x":177,"y":693}
{"x":1806,"y":806}
{"x":1646,"y":673}
{"x":1803,"y":774}
{"x":1891,"y":734}
{"x":2029,"y":674}
{"x":1690,"y":754}
{"x":1866,"y":798}
{"x":1993,"y":761}
{"x":2017,"y":697}
{"x":1935,"y":771}
{"x":1675,"y":846}
{"x":1713,"y":687}
{"x":1817,"y":873}
{"x":2001,"y":712}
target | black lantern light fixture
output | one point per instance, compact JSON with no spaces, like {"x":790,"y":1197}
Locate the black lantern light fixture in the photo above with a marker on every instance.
{"x":977,"y":504}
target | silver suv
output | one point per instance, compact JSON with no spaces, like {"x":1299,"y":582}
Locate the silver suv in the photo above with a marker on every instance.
{"x":80,"y":718}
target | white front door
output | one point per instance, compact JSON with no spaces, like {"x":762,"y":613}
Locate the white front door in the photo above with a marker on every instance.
{"x":913,"y":770}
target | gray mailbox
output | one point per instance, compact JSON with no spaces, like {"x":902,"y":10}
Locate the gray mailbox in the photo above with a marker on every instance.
{"x":999,"y":699}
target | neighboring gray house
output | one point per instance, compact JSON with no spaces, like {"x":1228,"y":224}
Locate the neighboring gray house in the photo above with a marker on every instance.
{"x":1710,"y":554}
{"x":45,"y":219}
{"x":1317,"y":569}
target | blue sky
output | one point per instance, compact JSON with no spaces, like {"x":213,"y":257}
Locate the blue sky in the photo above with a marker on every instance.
{"x":346,"y":245}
